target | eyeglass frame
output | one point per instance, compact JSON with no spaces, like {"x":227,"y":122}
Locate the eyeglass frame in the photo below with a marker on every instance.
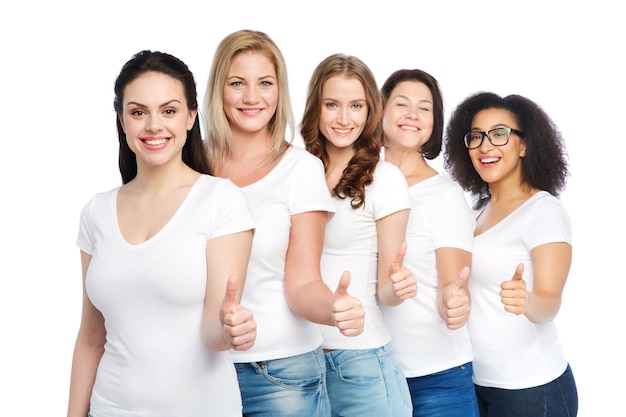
{"x":484,"y":134}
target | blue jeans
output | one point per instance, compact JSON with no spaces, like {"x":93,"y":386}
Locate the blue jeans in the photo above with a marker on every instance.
{"x":558,"y":398}
{"x":448,"y":393}
{"x":289,"y":387}
{"x":366,"y":382}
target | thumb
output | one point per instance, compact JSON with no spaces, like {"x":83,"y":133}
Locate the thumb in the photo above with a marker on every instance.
{"x":519,"y":271}
{"x":230,"y":297}
{"x":342,"y":288}
{"x":398,"y":260}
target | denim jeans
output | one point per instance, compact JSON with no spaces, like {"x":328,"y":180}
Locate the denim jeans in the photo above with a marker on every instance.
{"x":289,"y":387}
{"x":366,"y":382}
{"x":448,"y":393}
{"x":558,"y":398}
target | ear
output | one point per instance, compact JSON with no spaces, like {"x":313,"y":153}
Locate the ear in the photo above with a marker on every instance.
{"x":522,"y":151}
{"x":121,"y":120}
{"x":192,"y":118}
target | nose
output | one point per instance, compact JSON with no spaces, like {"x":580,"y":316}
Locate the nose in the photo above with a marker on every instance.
{"x":412,"y":113}
{"x":486,"y":144}
{"x":250,"y":95}
{"x":342,"y":116}
{"x":154,"y":123}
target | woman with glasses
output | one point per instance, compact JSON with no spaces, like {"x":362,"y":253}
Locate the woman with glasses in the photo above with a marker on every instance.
{"x":508,"y":154}
{"x":429,"y":330}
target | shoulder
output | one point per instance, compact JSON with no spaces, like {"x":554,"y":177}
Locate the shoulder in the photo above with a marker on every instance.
{"x":387,"y":170}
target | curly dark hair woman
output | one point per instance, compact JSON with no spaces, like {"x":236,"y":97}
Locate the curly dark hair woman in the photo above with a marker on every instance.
{"x":360,"y":170}
{"x":544,"y":166}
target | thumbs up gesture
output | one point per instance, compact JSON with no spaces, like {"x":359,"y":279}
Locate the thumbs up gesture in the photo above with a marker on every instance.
{"x":238,"y":325}
{"x":402,"y":280}
{"x":455,"y":303}
{"x":513,"y":294}
{"x":346,"y":310}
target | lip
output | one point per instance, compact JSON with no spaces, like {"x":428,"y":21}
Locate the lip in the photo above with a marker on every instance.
{"x":155,"y":142}
{"x":408,"y":128}
{"x":342,"y":131}
{"x":488,"y":161}
{"x":250,"y":111}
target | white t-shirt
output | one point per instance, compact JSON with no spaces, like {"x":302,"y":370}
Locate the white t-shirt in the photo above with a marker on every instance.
{"x":440,"y":218}
{"x":296,"y":185}
{"x":151,"y":295}
{"x":510,"y":352}
{"x":351,"y":244}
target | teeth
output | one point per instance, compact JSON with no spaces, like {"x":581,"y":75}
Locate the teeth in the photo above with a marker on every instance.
{"x":408,"y":127}
{"x":342,"y":131}
{"x":250,"y":111}
{"x":489,"y":160}
{"x":155,"y":142}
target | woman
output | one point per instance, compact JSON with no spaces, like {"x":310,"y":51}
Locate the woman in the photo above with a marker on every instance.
{"x":510,"y":156}
{"x":159,"y":309}
{"x":429,"y":330}
{"x":341,"y":126}
{"x":248,"y":112}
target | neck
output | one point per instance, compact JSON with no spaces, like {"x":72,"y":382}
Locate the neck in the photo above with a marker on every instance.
{"x":159,"y":179}
{"x":411,"y":163}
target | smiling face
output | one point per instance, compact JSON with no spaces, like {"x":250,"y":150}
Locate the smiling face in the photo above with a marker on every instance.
{"x":408,"y":118}
{"x":498,"y":164}
{"x":155,"y":118}
{"x":250,"y":93}
{"x":344,"y":111}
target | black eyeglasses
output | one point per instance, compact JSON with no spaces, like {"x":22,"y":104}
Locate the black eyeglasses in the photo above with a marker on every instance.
{"x":497,"y":137}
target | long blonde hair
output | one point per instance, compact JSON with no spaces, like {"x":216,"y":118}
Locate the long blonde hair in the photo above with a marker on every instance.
{"x":217,"y":130}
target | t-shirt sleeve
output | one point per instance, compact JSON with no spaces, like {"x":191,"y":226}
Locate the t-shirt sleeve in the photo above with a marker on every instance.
{"x":233,"y":213}
{"x":548,"y":222}
{"x":454,"y":225}
{"x":85,"y":241}
{"x":389,"y":191}
{"x":308,"y":190}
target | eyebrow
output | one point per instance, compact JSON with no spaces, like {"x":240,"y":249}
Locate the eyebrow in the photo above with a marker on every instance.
{"x":407,"y":98}
{"x":167,"y":103}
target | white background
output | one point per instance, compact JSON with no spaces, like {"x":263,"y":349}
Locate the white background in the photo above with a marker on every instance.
{"x":59,"y":144}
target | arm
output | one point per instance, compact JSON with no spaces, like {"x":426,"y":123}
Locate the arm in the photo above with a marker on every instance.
{"x":225,"y":323}
{"x":453,"y":297}
{"x":395,"y":282}
{"x":88,"y":351}
{"x":551,"y":264}
{"x":308,"y":296}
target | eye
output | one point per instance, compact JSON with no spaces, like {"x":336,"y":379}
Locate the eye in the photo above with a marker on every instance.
{"x":266,"y":83}
{"x":401,"y":105}
{"x":357,"y":106}
{"x":330,"y":105}
{"x":236,"y":84}
{"x":476,"y":136}
{"x":425,"y":109}
{"x":498,"y":133}
{"x":137,"y":112}
{"x":169,"y":112}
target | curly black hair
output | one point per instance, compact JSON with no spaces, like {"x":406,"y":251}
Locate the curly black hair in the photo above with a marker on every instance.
{"x":545,"y":164}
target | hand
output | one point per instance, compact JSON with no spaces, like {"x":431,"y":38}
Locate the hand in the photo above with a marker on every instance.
{"x":402,"y":280}
{"x":514,"y":295}
{"x":347,"y":311}
{"x":455,"y":303}
{"x":238,"y":325}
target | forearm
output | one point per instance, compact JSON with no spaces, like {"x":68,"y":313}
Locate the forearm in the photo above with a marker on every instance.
{"x":387,"y":294}
{"x":213,"y":335}
{"x":312,"y":300}
{"x":84,"y":367}
{"x":542,"y":308}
